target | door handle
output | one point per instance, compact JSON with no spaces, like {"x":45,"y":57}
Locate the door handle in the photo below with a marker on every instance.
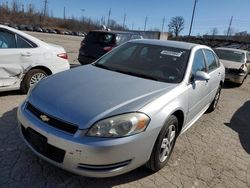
{"x":26,"y":54}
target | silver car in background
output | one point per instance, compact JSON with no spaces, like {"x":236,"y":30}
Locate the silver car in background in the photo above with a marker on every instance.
{"x":123,"y":111}
{"x":236,"y":62}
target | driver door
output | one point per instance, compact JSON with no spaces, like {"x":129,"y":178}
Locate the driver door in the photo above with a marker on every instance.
{"x":198,"y":90}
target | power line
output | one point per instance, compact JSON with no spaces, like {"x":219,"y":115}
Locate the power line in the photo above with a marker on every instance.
{"x":191,"y":25}
{"x":163,"y":22}
{"x":145,"y":24}
{"x":45,"y":7}
{"x":124,"y":20}
{"x":229,"y":27}
{"x":64,"y":13}
{"x":109,"y":17}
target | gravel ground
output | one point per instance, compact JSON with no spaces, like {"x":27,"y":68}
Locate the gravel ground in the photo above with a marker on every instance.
{"x":214,"y":152}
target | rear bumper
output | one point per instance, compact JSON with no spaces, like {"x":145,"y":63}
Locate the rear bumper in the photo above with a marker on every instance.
{"x":85,"y":60}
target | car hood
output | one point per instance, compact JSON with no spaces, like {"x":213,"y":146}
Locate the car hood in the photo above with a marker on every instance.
{"x":87,"y":94}
{"x":231,"y":64}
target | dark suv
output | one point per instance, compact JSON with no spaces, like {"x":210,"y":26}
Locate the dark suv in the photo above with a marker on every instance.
{"x":97,"y":43}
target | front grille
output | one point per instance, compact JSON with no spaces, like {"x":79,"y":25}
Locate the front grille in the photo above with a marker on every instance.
{"x":61,"y":125}
{"x":232,"y":71}
{"x":39,"y":143}
{"x":108,"y":167}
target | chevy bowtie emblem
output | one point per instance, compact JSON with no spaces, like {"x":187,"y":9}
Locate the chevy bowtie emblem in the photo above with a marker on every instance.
{"x":44,"y":118}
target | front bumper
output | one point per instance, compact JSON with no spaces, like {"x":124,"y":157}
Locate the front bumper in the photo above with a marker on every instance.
{"x":236,"y":78}
{"x":87,"y":156}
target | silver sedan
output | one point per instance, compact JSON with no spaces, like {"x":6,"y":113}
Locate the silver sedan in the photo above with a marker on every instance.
{"x":123,"y":111}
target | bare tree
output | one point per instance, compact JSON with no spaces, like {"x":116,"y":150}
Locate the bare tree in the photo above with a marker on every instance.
{"x":214,"y":31}
{"x":176,"y":25}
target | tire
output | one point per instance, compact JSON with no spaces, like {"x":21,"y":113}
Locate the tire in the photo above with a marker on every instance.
{"x":31,"y":78}
{"x":158,"y":158}
{"x":214,"y":104}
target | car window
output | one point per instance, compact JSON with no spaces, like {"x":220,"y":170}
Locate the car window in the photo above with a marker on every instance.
{"x":248,"y":56}
{"x":122,"y":38}
{"x":230,"y":55}
{"x":211,"y":60}
{"x":22,"y":43}
{"x":161,"y":63}
{"x":199,"y":62}
{"x":7,"y":40}
{"x":136,"y":37}
{"x":100,"y":38}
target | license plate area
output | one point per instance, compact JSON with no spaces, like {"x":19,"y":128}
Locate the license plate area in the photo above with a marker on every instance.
{"x":38,"y":141}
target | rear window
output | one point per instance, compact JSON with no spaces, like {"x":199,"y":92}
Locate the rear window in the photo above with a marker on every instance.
{"x":100,"y":37}
{"x":230,"y":55}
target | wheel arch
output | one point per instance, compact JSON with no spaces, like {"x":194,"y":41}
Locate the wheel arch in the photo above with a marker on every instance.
{"x":179,"y":114}
{"x":45,"y":69}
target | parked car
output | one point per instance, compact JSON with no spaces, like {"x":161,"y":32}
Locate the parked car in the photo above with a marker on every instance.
{"x":25,"y":60}
{"x":236,"y":62}
{"x":97,"y":43}
{"x":124,"y":110}
{"x":38,"y":29}
{"x":51,"y":31}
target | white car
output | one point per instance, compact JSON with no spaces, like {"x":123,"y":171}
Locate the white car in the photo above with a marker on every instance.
{"x":25,"y":60}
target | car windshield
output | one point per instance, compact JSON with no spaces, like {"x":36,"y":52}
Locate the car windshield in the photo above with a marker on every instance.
{"x":100,"y":37}
{"x":161,"y":63}
{"x":230,"y":55}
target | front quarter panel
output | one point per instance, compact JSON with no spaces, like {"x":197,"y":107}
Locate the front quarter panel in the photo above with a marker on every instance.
{"x":161,"y":108}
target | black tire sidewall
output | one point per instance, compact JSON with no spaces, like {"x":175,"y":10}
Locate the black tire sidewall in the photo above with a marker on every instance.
{"x":172,"y":120}
{"x":25,"y":84}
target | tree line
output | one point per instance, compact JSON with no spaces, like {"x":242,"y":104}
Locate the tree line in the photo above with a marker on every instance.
{"x":20,"y":14}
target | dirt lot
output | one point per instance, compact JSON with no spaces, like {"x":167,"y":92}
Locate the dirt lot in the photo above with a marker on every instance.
{"x":213,"y":153}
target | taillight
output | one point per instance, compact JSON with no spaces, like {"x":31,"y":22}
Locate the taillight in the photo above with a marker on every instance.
{"x":108,"y":48}
{"x":63,"y":55}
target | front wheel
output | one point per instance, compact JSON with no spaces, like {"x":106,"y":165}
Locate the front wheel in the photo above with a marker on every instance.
{"x":164,"y":145}
{"x":32,"y":78}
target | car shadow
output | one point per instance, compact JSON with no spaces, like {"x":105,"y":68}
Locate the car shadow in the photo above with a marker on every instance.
{"x":8,"y":93}
{"x":230,"y":85}
{"x":240,"y":124}
{"x":17,"y":156}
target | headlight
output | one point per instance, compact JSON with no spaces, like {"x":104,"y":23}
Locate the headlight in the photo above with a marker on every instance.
{"x":120,"y":126}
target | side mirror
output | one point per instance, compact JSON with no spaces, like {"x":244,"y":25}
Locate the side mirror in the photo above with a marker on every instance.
{"x":201,"y":75}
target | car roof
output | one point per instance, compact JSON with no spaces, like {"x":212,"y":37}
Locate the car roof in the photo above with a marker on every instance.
{"x":114,"y":32}
{"x":33,"y":39}
{"x":168,"y":43}
{"x":231,"y":49}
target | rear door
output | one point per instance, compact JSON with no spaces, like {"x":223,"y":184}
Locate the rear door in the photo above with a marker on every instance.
{"x":15,"y":57}
{"x":213,"y":69}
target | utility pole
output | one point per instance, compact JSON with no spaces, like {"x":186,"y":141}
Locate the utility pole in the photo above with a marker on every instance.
{"x":229,"y":27}
{"x":22,"y":8}
{"x":163,"y":23}
{"x":64,"y":13}
{"x":132,"y":26}
{"x":45,"y":7}
{"x":109,"y":17}
{"x":191,"y":25}
{"x":124,"y":20}
{"x":145,"y":24}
